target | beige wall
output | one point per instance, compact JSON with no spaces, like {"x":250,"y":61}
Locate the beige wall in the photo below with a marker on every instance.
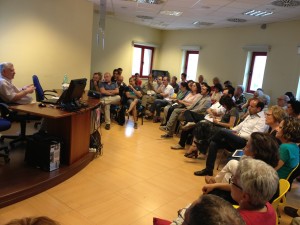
{"x":222,"y":54}
{"x":118,"y":50}
{"x":47,"y":38}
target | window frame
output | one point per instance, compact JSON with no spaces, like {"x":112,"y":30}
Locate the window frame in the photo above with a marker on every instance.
{"x":143,"y":47}
{"x":249,"y":80}
{"x":186,"y":61}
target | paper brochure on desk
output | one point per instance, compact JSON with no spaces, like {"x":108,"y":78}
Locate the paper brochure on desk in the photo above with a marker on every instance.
{"x":209,"y":118}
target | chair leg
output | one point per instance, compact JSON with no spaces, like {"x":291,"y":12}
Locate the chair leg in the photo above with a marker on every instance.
{"x":5,"y":155}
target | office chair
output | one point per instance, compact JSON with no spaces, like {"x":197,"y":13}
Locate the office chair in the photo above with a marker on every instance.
{"x":4,"y":125}
{"x":39,"y":92}
{"x":12,"y":116}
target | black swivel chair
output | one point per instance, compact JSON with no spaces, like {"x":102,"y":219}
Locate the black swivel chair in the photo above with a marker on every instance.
{"x":4,"y":125}
{"x":12,"y":116}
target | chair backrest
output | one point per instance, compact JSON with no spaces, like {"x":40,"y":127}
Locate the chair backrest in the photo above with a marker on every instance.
{"x":288,"y":177}
{"x":39,"y":92}
{"x":284,"y":186}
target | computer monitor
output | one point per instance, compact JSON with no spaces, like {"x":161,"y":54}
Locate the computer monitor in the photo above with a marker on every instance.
{"x":72,"y":95}
{"x":162,"y":73}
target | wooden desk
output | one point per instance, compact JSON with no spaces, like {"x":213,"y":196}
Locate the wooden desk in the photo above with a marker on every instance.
{"x":73,"y":127}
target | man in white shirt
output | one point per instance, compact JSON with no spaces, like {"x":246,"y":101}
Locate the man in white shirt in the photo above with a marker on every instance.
{"x":9,"y":93}
{"x":165,"y":91}
{"x":237,"y":137}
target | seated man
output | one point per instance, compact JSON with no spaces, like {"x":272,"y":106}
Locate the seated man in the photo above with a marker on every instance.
{"x":282,"y":101}
{"x":10,"y":93}
{"x":237,"y":137}
{"x":165,"y":91}
{"x":239,"y":97}
{"x":110,"y":91}
{"x":95,"y":81}
{"x":149,"y":90}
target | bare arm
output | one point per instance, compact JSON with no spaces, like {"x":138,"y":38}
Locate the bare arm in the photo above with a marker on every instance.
{"x":25,"y":91}
{"x":209,"y":187}
{"x":230,"y":124}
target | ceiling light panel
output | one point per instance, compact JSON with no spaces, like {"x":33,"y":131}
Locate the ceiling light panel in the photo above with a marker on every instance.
{"x":254,"y":12}
{"x":170,"y":13}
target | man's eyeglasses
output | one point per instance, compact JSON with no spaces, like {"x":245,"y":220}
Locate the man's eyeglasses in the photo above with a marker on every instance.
{"x":231,"y":182}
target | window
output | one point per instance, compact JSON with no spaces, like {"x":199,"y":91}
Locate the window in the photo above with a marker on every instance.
{"x":256,"y":71}
{"x":142,"y":60}
{"x":191,"y":64}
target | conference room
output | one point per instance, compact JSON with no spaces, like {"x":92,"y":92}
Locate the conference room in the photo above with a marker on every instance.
{"x":137,"y":171}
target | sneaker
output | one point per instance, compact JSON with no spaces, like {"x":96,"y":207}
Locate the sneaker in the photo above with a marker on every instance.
{"x":164,"y":128}
{"x":107,"y":127}
{"x":135,"y":126}
{"x":188,"y":126}
{"x":178,"y":146}
{"x":166,"y":136}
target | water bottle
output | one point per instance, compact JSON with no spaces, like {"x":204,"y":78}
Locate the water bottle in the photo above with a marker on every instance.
{"x":65,"y":83}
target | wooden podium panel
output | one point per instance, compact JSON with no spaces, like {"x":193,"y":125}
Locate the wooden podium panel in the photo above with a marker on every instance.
{"x":75,"y":131}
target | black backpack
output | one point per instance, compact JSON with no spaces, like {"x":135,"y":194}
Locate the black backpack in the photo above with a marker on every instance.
{"x":121,"y":116}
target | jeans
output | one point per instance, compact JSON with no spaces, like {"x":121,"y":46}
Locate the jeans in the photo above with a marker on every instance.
{"x":157,"y":105}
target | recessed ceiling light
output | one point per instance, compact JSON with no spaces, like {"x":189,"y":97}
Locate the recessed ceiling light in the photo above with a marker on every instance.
{"x":258,"y":13}
{"x":171,"y":13}
{"x":156,"y":2}
{"x":198,"y":23}
{"x":236,"y":20}
{"x":145,"y":17}
{"x":286,"y":3}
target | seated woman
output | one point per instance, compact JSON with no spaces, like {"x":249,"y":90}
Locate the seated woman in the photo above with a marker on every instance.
{"x":293,"y":109}
{"x":260,"y":146}
{"x":274,"y":116}
{"x":182,"y":102}
{"x":133,"y":94}
{"x":253,"y":185}
{"x":288,"y":133}
{"x":203,"y":132}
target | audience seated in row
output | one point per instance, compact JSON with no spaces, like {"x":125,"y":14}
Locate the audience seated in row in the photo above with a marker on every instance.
{"x":237,"y":137}
{"x":196,"y":110}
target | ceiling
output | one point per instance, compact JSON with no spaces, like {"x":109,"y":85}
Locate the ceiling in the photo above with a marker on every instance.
{"x":208,"y":13}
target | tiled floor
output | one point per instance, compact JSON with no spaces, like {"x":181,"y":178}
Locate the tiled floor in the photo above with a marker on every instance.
{"x":138,"y":177}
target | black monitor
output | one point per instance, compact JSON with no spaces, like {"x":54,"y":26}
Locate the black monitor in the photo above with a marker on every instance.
{"x":162,"y":73}
{"x":72,"y":95}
